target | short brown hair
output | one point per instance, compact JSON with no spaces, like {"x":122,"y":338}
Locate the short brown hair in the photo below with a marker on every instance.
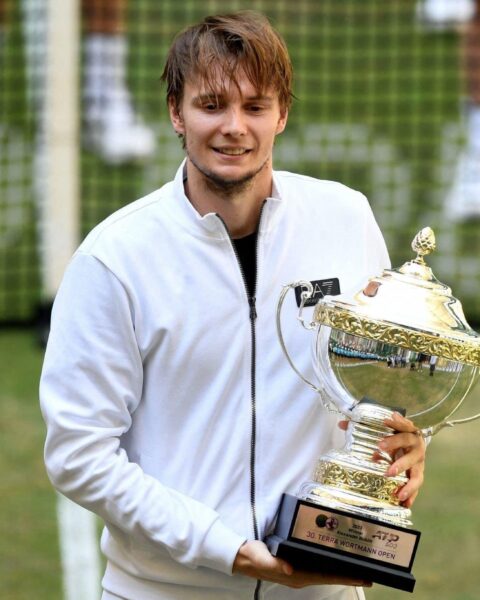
{"x":223,"y":44}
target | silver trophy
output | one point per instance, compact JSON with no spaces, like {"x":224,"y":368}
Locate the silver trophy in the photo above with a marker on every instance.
{"x":400,"y":344}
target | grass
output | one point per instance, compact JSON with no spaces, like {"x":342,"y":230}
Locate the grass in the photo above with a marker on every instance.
{"x":447,"y":513}
{"x":29,"y":558}
{"x":447,"y":510}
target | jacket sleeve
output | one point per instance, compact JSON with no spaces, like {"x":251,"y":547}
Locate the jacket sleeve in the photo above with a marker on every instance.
{"x":91,"y":384}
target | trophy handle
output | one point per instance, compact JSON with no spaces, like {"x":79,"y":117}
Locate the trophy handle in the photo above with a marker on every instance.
{"x":436,"y":428}
{"x":306,"y":294}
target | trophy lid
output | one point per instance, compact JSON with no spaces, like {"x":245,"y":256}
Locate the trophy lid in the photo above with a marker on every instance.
{"x":407,"y":307}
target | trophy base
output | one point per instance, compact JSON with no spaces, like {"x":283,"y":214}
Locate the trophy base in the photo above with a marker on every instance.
{"x":317,"y":538}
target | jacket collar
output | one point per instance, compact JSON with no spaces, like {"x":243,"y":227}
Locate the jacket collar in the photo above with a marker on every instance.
{"x":210,"y":224}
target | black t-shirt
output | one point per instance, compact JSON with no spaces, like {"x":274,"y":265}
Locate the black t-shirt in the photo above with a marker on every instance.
{"x":246,"y":249}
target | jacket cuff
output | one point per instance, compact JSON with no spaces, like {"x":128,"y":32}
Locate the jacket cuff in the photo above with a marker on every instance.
{"x":221,"y":546}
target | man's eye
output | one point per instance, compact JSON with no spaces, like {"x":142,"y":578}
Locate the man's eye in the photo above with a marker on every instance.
{"x":211,"y":106}
{"x":255,"y":108}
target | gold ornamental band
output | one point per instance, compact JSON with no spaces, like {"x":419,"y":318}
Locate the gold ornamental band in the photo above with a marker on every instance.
{"x":374,"y":486}
{"x":417,"y":341}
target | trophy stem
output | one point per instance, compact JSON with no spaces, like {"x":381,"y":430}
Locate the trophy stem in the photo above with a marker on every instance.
{"x":351,"y":479}
{"x":365,"y":431}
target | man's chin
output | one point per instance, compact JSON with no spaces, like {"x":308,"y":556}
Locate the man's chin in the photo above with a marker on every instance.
{"x":225,"y":179}
{"x":228,"y":180}
{"x":229,"y":184}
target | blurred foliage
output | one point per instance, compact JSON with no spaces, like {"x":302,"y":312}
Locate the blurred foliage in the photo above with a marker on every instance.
{"x":378,"y":107}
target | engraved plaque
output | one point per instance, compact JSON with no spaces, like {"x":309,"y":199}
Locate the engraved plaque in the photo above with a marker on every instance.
{"x":377,"y":541}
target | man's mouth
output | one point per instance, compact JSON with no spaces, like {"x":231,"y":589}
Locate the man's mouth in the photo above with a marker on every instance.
{"x":232,"y":151}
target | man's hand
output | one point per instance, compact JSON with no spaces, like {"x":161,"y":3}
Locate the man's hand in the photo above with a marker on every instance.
{"x":407,"y":449}
{"x":254,"y":560}
{"x":407,"y":446}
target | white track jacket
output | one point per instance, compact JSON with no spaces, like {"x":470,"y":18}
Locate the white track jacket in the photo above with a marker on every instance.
{"x":171,"y":411}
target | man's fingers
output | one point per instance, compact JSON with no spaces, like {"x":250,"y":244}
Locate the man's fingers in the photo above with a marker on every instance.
{"x":406,"y":448}
{"x":301,"y":579}
{"x":408,"y":442}
{"x":254,"y":560}
{"x":262,"y":558}
{"x":400,"y":423}
{"x":410,"y":490}
{"x":405,"y":464}
{"x":285,"y":568}
{"x":409,"y":501}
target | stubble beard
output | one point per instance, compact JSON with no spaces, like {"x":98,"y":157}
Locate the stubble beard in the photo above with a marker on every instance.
{"x":227,"y":188}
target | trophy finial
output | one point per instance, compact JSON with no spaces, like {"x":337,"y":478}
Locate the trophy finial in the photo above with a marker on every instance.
{"x":424,"y":243}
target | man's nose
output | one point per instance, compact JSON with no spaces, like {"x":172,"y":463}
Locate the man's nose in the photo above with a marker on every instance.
{"x":234,"y":123}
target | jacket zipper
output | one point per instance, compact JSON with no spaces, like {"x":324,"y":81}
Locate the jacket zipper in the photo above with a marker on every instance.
{"x":252,"y":300}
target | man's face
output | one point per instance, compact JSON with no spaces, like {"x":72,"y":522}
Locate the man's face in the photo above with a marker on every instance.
{"x":229,"y":135}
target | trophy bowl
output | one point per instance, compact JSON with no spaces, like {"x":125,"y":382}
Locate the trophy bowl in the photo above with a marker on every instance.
{"x":400,"y":344}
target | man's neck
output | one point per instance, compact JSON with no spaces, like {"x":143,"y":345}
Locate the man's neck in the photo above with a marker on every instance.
{"x":240,"y":209}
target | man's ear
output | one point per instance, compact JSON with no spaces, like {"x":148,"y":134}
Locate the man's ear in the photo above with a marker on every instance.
{"x":282,"y":121}
{"x":176,"y":117}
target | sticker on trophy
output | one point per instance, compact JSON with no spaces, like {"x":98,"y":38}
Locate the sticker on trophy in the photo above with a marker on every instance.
{"x":321,"y":288}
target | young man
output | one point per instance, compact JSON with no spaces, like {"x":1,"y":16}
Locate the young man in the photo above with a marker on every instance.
{"x":171,"y":410}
